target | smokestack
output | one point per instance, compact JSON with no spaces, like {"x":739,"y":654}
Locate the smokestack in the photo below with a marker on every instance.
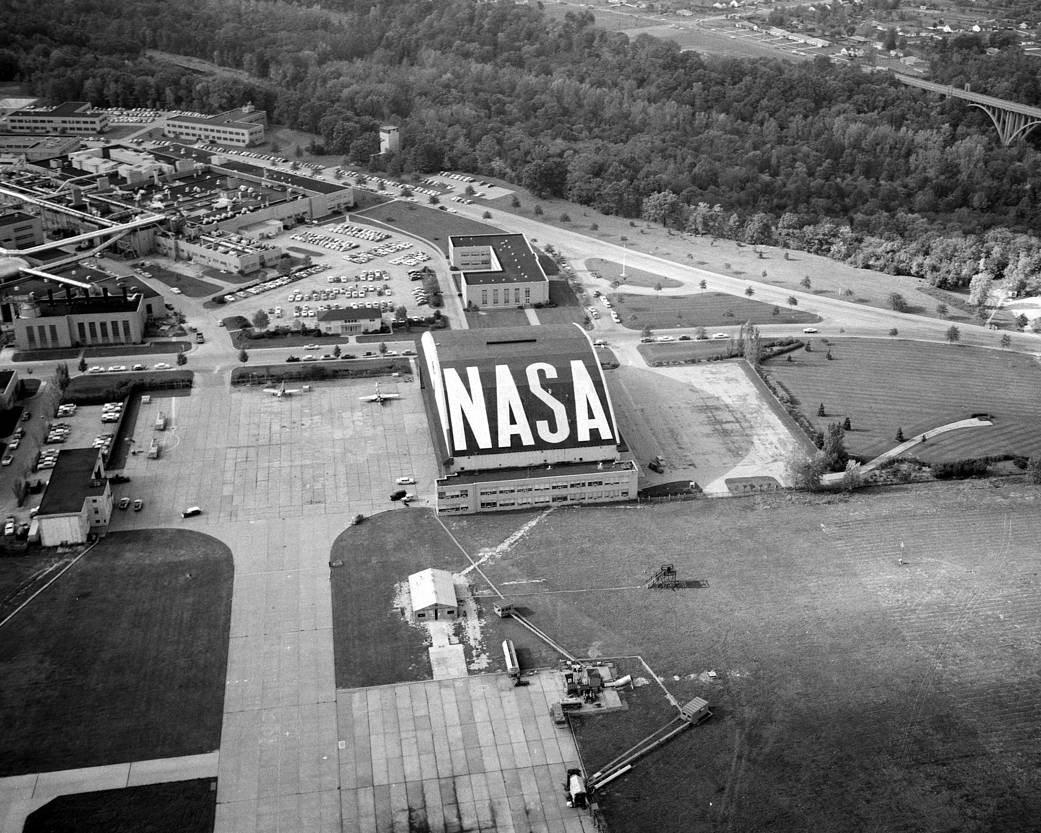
{"x":50,"y":295}
{"x":125,"y":296}
{"x":68,"y":292}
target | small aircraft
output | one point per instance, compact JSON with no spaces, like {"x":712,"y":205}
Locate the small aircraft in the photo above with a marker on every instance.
{"x":281,"y":391}
{"x":379,"y":397}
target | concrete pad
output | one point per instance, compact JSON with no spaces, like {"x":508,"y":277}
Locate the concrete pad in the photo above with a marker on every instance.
{"x":161,"y":770}
{"x":90,"y":779}
{"x":447,"y":662}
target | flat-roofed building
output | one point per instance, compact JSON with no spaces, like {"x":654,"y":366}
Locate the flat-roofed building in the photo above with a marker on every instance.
{"x":349,"y":321}
{"x":14,"y":148}
{"x":78,"y":321}
{"x":19,"y":230}
{"x":433,"y":594}
{"x":8,"y":389}
{"x":77,"y":501}
{"x":242,"y":127}
{"x":76,"y":117}
{"x":498,"y":270}
{"x":521,"y":417}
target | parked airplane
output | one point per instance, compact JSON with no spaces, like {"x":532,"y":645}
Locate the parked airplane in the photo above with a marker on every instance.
{"x":281,"y":391}
{"x":379,"y":397}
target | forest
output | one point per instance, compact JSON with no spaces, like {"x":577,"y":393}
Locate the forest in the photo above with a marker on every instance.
{"x":807,"y":155}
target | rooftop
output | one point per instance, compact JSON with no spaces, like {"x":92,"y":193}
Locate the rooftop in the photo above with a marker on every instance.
{"x":536,"y":472}
{"x":432,"y":587}
{"x":518,"y":263}
{"x":490,"y":344}
{"x":350,"y":314}
{"x":88,"y":306}
{"x":5,"y":378}
{"x":66,"y":108}
{"x":71,"y":482}
{"x":14,"y":217}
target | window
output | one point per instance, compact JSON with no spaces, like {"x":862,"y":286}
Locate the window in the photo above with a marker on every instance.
{"x":104,"y":330}
{"x":93,"y":330}
{"x":484,"y":297}
{"x":126,"y":332}
{"x":54,"y":334}
{"x":30,"y":336}
{"x":495,"y":297}
{"x":527,"y":294}
{"x":41,"y":331}
{"x":516,"y":295}
{"x":81,"y":330}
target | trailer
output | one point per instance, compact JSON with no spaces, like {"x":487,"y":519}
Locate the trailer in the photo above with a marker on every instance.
{"x":510,"y":655}
{"x":160,"y":421}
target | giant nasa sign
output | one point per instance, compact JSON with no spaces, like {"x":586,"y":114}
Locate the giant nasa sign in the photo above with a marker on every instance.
{"x":500,"y":407}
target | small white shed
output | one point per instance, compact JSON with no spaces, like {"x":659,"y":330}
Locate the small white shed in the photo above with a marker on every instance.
{"x":433,"y":594}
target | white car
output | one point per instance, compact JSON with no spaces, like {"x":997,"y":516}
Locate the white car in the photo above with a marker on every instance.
{"x":405,"y":481}
{"x":162,"y":366}
{"x":175,"y":290}
{"x":666,"y":338}
{"x":810,"y":330}
{"x":720,"y":335}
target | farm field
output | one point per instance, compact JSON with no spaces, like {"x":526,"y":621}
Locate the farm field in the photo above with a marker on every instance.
{"x":612,"y":271}
{"x":105,"y":667}
{"x":176,"y":807}
{"x":707,"y":309}
{"x":883,"y":385}
{"x":873,"y":653}
{"x":428,"y":223}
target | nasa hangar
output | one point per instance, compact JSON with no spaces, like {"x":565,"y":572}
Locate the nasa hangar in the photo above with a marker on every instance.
{"x":521,"y":417}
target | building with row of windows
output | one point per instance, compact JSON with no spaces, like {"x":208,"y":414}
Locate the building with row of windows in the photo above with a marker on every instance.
{"x":242,"y":127}
{"x":521,"y":416}
{"x":73,"y":117}
{"x":19,"y":230}
{"x":80,"y":320}
{"x":498,"y":270}
{"x":350,"y":321}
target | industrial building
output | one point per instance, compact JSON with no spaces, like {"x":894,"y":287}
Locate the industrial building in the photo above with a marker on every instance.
{"x":19,"y":230}
{"x":80,"y":320}
{"x":77,"y":501}
{"x":433,"y":594}
{"x":498,"y":270}
{"x":521,"y":417}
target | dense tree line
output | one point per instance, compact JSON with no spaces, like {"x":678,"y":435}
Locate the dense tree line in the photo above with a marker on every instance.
{"x":807,"y":155}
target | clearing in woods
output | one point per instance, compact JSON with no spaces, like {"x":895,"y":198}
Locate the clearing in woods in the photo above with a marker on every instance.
{"x":874,"y":654}
{"x":914,"y":386}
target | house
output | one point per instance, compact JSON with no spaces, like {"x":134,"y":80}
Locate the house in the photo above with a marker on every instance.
{"x":433,"y":594}
{"x":350,"y":321}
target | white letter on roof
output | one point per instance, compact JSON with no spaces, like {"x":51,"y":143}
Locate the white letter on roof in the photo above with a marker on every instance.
{"x":509,"y":410}
{"x":589,"y":410}
{"x":466,"y":406}
{"x":560,"y":433}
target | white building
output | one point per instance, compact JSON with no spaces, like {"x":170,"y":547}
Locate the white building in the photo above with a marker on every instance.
{"x":242,"y":127}
{"x":433,"y":594}
{"x":498,"y":270}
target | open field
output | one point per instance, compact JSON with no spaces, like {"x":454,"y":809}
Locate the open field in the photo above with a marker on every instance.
{"x":123,"y":659}
{"x":176,"y":807}
{"x":21,"y":575}
{"x":707,"y":309}
{"x":612,"y":271}
{"x":428,"y":223}
{"x":854,"y":691}
{"x":883,"y":385}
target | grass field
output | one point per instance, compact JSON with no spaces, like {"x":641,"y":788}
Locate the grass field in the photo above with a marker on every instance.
{"x":707,"y":309}
{"x":874,"y":654}
{"x":612,"y":271}
{"x":885,"y":385}
{"x":122,"y":659}
{"x":188,"y":284}
{"x":567,"y":310}
{"x":176,"y":807}
{"x":88,"y":385}
{"x":428,"y":223}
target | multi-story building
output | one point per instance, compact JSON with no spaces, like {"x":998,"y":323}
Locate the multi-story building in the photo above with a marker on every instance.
{"x":521,"y":417}
{"x":80,"y":320}
{"x":77,"y":501}
{"x":498,"y":270}
{"x":19,"y":230}
{"x":242,"y":127}
{"x":75,"y":117}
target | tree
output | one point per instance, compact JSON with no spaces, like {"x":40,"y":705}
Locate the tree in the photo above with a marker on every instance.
{"x":897,"y":302}
{"x":804,"y":472}
{"x":487,"y":215}
{"x":1033,"y":470}
{"x":243,"y":355}
{"x":820,"y":410}
{"x":337,"y":351}
{"x":979,"y":288}
{"x":1022,"y":321}
{"x":658,"y":288}
{"x":662,"y":207}
{"x":61,"y":375}
{"x":182,"y":359}
{"x":941,"y":310}
{"x":514,"y":202}
{"x":749,"y":291}
{"x":703,"y":284}
{"x":953,"y":334}
{"x":298,"y":152}
{"x":433,"y":199}
{"x":805,"y":282}
{"x":847,"y":425}
{"x":899,"y":435}
{"x":565,"y":217}
{"x":261,"y":320}
{"x":400,"y":312}
{"x":834,"y":448}
{"x":82,"y":365}
{"x":893,"y":331}
{"x":537,"y":210}
{"x":751,"y":343}
{"x":852,"y":477}
{"x":1006,"y":341}
{"x":383,"y":348}
{"x":793,"y":301}
{"x":646,"y":332}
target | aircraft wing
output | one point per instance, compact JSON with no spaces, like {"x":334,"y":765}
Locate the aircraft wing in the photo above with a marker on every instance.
{"x":390,"y":395}
{"x":272,"y":391}
{"x":289,"y":391}
{"x":371,"y":398}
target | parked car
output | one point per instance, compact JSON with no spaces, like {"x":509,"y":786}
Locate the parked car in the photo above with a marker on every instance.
{"x":124,"y":502}
{"x":139,"y":505}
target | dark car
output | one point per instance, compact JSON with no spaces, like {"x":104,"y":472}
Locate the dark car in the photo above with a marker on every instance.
{"x":398,"y":494}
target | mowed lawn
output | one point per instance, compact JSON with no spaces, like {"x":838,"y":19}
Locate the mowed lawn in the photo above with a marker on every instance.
{"x":122,"y":659}
{"x":428,"y":223}
{"x":874,"y":655}
{"x":175,"y":807}
{"x":611,"y":270}
{"x":707,"y":309}
{"x":883,"y":385}
{"x":188,"y":284}
{"x":372,"y":643}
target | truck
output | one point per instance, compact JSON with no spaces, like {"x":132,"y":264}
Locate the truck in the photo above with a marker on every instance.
{"x":160,"y":421}
{"x":153,"y":449}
